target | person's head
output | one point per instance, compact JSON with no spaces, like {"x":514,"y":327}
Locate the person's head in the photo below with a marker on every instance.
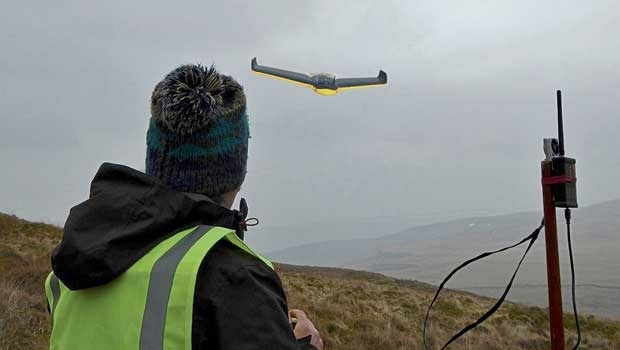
{"x":198,"y":134}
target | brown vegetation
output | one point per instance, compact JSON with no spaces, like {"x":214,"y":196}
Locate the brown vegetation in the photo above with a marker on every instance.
{"x":24,"y":264}
{"x":359,"y":310}
{"x":352,"y":309}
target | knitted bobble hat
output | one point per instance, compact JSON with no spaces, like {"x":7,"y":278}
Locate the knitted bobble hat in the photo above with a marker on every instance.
{"x":197,"y":140}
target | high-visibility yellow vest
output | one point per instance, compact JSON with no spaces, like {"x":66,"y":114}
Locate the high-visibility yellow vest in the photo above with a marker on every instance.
{"x":149,"y":306}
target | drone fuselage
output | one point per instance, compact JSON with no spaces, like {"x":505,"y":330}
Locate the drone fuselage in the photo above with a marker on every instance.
{"x":324,"y":84}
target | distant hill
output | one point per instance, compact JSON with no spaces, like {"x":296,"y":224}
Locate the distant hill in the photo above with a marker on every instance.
{"x":427,"y":253}
{"x":277,"y":237}
{"x":352,"y":309}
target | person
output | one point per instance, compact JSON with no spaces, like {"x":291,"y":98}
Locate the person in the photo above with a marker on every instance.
{"x":156,"y":259}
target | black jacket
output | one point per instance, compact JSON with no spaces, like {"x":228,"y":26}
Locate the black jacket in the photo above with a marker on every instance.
{"x":239,"y":302}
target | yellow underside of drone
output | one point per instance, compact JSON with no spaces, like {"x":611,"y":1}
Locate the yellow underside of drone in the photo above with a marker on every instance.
{"x":325,"y":92}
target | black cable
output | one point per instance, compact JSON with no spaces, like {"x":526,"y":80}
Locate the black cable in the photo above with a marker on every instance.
{"x":531,"y":238}
{"x":567,"y":216}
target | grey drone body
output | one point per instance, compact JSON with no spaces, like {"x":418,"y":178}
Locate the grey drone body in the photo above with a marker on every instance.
{"x":322,"y":83}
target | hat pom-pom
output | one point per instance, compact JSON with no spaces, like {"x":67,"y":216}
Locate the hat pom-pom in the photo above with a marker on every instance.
{"x":188,"y":98}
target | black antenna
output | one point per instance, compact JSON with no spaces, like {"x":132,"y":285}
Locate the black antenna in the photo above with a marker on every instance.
{"x":560,"y":124}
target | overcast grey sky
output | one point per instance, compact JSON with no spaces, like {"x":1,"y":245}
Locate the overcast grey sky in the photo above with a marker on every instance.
{"x":457,"y":132}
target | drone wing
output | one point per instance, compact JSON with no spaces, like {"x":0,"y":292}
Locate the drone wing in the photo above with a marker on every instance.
{"x":352,"y":83}
{"x":289,"y":76}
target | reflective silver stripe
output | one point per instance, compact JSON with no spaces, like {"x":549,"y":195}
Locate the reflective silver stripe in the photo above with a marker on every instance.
{"x":160,"y":286}
{"x":55,"y":287}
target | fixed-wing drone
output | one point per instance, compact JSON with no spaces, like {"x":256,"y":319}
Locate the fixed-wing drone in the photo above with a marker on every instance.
{"x":324,"y":83}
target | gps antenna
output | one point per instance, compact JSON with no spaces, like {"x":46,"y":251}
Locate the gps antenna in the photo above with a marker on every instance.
{"x":560,"y":123}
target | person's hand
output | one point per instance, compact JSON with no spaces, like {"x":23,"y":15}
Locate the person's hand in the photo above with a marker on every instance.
{"x":304,"y":328}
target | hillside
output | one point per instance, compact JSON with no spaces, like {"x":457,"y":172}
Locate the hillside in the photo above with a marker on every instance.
{"x":352,"y":309}
{"x":427,"y":253}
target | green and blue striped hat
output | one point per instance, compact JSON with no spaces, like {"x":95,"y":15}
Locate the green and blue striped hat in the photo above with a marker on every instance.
{"x":198,"y":134}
